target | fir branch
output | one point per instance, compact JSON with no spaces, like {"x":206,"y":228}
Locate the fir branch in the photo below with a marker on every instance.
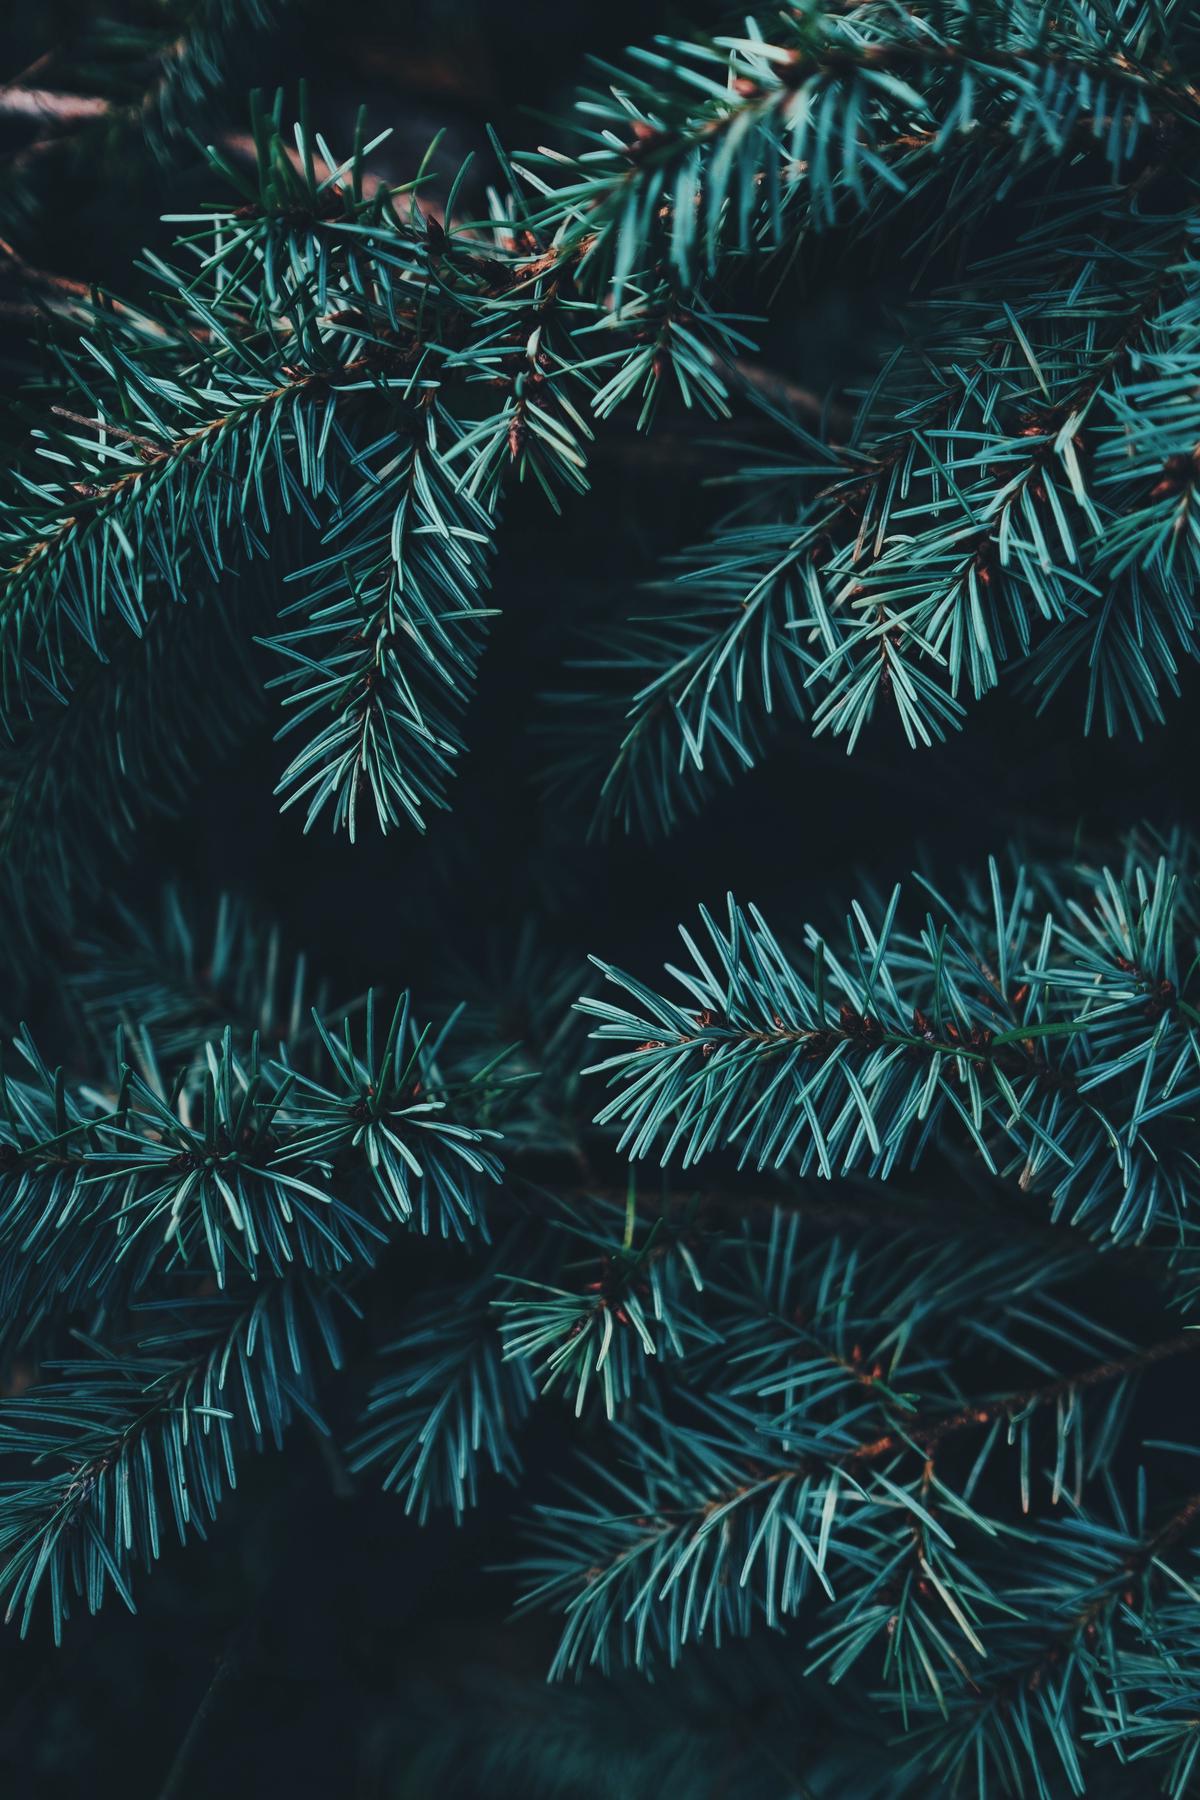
{"x":243,"y":1164}
{"x":990,"y":1022}
{"x":147,"y":1436}
{"x":752,"y":136}
{"x":389,"y":643}
{"x":1070,"y":1657}
{"x":814,"y":1458}
{"x":448,"y":1404}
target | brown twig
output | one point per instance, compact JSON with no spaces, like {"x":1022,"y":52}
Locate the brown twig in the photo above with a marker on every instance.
{"x":929,"y":1437}
{"x":48,"y":107}
{"x":926,"y":1436}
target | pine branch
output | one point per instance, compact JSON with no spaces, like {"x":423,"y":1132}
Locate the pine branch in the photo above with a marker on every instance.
{"x":992,"y":1022}
{"x":243,"y":1164}
{"x":1100,"y":1595}
{"x":814,"y":1456}
{"x":750,"y":137}
{"x":146,"y":1435}
{"x":449,"y":1403}
{"x":388,"y":645}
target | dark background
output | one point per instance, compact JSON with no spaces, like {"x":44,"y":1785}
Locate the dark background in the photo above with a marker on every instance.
{"x":358,"y":1644}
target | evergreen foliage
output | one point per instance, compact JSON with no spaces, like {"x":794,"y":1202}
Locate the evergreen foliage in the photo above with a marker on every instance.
{"x":831,"y":1313}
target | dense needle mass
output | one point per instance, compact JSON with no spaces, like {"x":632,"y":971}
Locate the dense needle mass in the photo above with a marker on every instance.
{"x":828,"y":1319}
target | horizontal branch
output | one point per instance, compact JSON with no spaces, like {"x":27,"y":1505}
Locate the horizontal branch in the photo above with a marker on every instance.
{"x":930,"y":1435}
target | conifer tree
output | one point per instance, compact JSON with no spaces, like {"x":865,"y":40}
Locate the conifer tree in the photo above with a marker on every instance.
{"x":418,"y":576}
